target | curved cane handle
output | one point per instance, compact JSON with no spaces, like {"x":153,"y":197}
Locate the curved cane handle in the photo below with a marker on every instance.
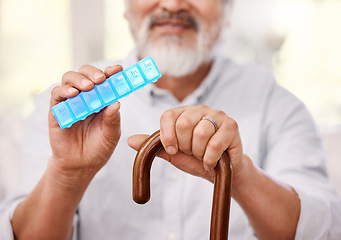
{"x":222,"y":186}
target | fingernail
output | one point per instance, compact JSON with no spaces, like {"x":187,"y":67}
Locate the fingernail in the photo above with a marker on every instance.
{"x":207,"y":168}
{"x":115,"y":66}
{"x":86,"y":82}
{"x":171,"y":150}
{"x":72,"y":90}
{"x":98,"y":75}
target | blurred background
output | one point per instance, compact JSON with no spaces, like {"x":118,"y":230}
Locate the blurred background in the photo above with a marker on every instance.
{"x":40,"y":40}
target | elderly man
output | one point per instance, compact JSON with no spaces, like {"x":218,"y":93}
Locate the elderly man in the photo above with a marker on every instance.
{"x":280,"y":188}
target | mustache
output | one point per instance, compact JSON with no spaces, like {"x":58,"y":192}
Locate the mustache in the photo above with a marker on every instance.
{"x":180,"y":16}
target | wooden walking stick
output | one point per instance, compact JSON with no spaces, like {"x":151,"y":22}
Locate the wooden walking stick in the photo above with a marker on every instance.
{"x":222,"y":185}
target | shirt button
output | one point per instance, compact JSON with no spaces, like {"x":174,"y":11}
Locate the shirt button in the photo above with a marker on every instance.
{"x":174,"y":175}
{"x":171,"y":236}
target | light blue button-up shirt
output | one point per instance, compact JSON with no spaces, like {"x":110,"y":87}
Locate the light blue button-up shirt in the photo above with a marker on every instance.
{"x":277,"y":132}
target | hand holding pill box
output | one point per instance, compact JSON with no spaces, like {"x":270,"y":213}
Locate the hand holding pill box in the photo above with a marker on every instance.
{"x":112,"y":89}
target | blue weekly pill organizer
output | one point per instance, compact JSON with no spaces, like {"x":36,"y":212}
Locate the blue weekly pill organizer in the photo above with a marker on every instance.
{"x":113,"y":88}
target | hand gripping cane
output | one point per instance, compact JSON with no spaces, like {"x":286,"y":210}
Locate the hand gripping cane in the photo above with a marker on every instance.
{"x":222,"y":186}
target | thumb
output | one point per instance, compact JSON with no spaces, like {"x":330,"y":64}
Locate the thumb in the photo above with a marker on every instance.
{"x":137,"y":140}
{"x":112,"y":119}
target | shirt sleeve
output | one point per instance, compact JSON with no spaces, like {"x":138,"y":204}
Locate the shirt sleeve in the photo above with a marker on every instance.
{"x":36,"y":152}
{"x":7,"y":208}
{"x":294,"y":155}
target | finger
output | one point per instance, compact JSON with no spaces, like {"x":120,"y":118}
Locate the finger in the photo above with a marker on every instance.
{"x":185,"y":125}
{"x":111,"y":70}
{"x":201,"y":135}
{"x":94,"y":74}
{"x":215,"y":148}
{"x":77,"y":80}
{"x":226,"y":138}
{"x":167,"y":129}
{"x":61,"y":93}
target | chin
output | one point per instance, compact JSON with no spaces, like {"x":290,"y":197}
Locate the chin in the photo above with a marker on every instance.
{"x":176,"y":61}
{"x":175,"y":55}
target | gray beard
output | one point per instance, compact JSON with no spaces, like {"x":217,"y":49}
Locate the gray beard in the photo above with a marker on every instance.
{"x":171,"y":57}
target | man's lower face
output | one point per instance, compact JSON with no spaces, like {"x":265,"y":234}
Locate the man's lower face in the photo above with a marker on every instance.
{"x":179,"y":44}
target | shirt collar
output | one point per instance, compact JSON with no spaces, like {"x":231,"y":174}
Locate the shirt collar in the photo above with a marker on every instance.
{"x":197,"y":97}
{"x":200,"y":94}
